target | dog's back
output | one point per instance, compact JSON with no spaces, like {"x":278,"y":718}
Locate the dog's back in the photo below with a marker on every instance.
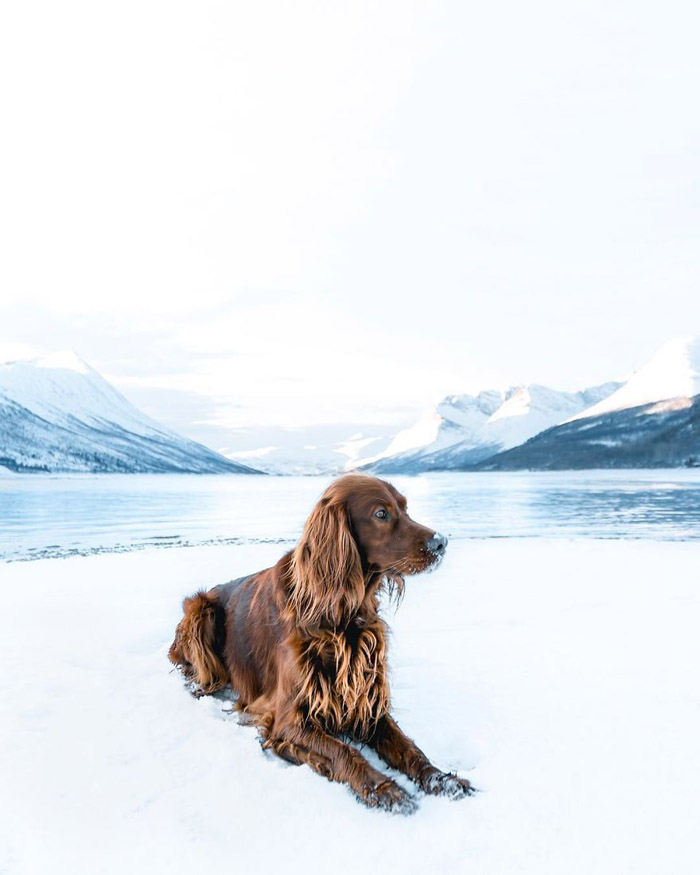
{"x":218,"y":640}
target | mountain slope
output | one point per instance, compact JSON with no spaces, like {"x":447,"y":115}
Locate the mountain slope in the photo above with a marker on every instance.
{"x":650,"y":421}
{"x":672,"y":372}
{"x":59,"y":414}
{"x":455,"y":418}
{"x":463,"y":430}
{"x":660,"y":434}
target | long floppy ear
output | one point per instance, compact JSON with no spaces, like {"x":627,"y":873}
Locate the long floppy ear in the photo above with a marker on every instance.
{"x":327,"y":582}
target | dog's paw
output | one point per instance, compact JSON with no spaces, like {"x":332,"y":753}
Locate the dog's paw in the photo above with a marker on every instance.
{"x":389,"y":797}
{"x":194,"y":689}
{"x":448,"y":784}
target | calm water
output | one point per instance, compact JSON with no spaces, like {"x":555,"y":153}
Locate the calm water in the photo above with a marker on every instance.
{"x":60,"y":516}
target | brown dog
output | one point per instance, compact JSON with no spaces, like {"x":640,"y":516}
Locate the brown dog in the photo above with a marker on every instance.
{"x":304,"y":648}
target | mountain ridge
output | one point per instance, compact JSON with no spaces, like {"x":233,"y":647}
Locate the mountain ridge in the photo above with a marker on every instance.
{"x":58,"y":414}
{"x":659,"y":434}
{"x":498,"y":421}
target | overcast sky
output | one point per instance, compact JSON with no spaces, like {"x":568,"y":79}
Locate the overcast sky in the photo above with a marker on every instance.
{"x":290,"y":213}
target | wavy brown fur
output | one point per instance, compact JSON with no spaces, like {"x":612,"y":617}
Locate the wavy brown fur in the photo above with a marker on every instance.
{"x":194,"y":647}
{"x":327,"y":583}
{"x":304,"y":647}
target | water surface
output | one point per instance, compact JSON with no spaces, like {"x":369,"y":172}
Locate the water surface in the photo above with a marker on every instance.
{"x":60,"y":516}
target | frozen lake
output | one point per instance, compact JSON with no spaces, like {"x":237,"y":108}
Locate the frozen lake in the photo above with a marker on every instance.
{"x":60,"y":516}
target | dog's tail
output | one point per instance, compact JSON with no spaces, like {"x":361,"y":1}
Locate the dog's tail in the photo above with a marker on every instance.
{"x":197,"y":644}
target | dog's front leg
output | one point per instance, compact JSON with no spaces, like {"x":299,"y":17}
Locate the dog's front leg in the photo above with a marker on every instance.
{"x":398,"y":751}
{"x":340,"y":762}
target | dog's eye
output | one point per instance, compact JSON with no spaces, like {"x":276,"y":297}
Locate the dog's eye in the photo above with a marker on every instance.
{"x":381,"y":514}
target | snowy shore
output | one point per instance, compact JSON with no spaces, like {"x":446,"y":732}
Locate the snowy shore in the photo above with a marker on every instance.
{"x":560,"y":677}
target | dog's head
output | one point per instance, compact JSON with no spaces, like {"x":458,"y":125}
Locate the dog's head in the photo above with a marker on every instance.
{"x":359,"y":531}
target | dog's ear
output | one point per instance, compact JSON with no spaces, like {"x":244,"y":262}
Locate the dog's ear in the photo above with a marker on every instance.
{"x":327,"y":582}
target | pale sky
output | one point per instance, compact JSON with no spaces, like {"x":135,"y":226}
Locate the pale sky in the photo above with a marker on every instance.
{"x":294,"y":213}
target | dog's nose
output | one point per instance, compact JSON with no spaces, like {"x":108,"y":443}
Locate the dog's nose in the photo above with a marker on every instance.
{"x":437,"y":544}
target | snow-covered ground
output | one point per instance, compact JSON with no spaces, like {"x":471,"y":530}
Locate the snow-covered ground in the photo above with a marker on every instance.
{"x":560,"y":676}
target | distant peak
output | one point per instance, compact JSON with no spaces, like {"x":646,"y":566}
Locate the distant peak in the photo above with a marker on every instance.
{"x":66,"y":360}
{"x":687,"y":348}
{"x":679,"y":358}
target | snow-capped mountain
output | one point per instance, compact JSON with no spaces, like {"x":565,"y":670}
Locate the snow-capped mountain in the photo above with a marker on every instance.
{"x":672,"y":372}
{"x":58,"y":414}
{"x":652,"y":420}
{"x":455,"y":418}
{"x":465,"y":429}
{"x":661,"y":434}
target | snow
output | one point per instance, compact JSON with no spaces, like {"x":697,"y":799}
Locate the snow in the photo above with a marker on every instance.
{"x":421,"y":434}
{"x":560,"y":677}
{"x":62,"y":387}
{"x":672,"y":372}
{"x":354,"y":446}
{"x":456,"y":418}
{"x":66,"y":359}
{"x":494,"y":419}
{"x":310,"y":450}
{"x":529,"y":410}
{"x":58,"y":414}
